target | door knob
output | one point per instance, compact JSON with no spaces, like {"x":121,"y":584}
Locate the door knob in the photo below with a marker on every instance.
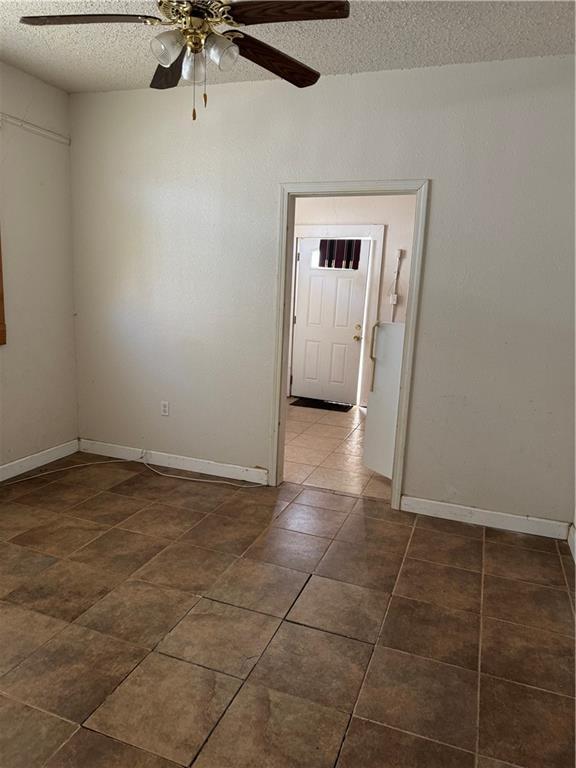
{"x":357,"y":338}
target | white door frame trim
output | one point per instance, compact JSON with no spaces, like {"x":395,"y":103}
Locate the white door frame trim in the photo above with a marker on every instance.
{"x":288,"y":194}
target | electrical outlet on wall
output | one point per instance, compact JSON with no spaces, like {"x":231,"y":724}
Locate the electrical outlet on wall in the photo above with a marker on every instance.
{"x":164,"y":408}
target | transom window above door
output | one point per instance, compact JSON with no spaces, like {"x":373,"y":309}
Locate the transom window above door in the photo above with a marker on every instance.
{"x":337,"y":254}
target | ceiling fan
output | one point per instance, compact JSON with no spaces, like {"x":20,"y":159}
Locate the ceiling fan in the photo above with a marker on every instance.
{"x":211,"y":30}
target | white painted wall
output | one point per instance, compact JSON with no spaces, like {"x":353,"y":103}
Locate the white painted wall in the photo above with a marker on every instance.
{"x":394,"y":211}
{"x":176,"y":247}
{"x":38,"y":405}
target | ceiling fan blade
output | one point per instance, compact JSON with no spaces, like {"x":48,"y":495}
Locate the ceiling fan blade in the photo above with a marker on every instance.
{"x":276,"y":62}
{"x":168,"y":77}
{"x":95,"y":18}
{"x":269,"y":11}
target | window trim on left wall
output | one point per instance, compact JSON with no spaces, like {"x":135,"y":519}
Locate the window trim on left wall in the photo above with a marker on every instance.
{"x":2,"y":315}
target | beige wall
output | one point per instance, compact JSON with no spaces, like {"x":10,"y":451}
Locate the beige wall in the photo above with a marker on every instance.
{"x":176,"y":248}
{"x":396,"y":212}
{"x":38,"y":406}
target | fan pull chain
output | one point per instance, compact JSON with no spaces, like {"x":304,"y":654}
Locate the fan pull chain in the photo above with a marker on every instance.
{"x":194,"y":88}
{"x":205,"y":94}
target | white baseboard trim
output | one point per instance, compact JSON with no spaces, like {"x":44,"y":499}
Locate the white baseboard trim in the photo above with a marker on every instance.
{"x":26,"y":464}
{"x":554,"y":529}
{"x":572,"y":541}
{"x":232,"y":471}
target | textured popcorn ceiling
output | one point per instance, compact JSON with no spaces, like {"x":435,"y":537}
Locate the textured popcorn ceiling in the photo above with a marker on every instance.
{"x":377,"y":36}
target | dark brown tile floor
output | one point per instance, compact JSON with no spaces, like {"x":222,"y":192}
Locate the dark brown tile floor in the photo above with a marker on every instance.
{"x":148,"y":622}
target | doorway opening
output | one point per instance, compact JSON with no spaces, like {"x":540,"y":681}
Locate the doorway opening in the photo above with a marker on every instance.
{"x":337,"y":272}
{"x":352,"y":259}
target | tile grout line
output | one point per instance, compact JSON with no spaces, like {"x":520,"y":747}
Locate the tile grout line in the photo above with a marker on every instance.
{"x":35,"y":707}
{"x":480,"y":640}
{"x":352,"y":431}
{"x":566,"y":579}
{"x":132,"y":576}
{"x":115,"y":739}
{"x":130,"y":579}
{"x":357,"y":428}
{"x":522,"y":546}
{"x":95,"y":631}
{"x":529,"y":685}
{"x":362,"y":684}
{"x":517,"y":624}
{"x":247,"y":678}
{"x":516,"y":547}
{"x":51,"y":554}
{"x":240,"y":607}
{"x":68,"y":557}
{"x":287,"y":614}
{"x":96,"y":492}
{"x":116,"y":687}
{"x":124,"y":677}
{"x":479,"y":571}
{"x":445,"y":565}
{"x":168,"y":655}
{"x":417,"y":735}
{"x":538,"y":584}
{"x":495,"y":575}
{"x":402,"y":652}
{"x":444,"y":664}
{"x":67,"y":514}
{"x":430,"y":739}
{"x":331,"y":632}
{"x":31,"y":610}
{"x":16,"y":499}
{"x":66,"y":741}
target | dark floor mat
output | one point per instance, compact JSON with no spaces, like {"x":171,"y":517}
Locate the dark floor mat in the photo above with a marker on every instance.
{"x":325,"y":405}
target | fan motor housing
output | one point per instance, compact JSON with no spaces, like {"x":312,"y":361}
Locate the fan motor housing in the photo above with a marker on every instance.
{"x":180,"y":11}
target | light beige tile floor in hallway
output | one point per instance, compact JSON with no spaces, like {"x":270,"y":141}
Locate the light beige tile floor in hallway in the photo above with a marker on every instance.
{"x":325,"y":448}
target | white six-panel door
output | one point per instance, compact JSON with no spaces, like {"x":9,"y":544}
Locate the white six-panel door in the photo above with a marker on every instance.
{"x":328,"y":329}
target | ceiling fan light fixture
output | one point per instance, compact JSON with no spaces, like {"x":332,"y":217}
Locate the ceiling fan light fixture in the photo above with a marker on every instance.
{"x":222,"y":51}
{"x":183,"y":52}
{"x":193,"y":66}
{"x":166,"y":46}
